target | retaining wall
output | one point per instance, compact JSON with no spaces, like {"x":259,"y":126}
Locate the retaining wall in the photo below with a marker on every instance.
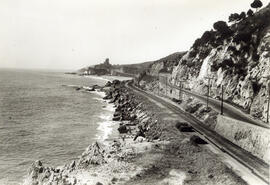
{"x":247,"y":136}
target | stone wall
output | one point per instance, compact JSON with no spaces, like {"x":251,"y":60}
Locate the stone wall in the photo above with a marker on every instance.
{"x":247,"y":136}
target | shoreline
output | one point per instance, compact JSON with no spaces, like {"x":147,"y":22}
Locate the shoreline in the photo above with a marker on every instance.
{"x":160,"y":155}
{"x":108,"y":77}
{"x":106,"y":129}
{"x":108,"y":124}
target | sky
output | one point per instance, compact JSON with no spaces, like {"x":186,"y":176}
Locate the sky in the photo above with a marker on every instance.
{"x":71,"y":34}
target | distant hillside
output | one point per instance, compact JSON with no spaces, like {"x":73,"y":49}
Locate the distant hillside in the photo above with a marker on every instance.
{"x":151,"y":67}
{"x":165,"y":64}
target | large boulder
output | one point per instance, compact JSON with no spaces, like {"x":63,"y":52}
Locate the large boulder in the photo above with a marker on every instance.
{"x":108,"y":84}
{"x":117,"y":118}
{"x":108,"y":96}
{"x":122,"y":129}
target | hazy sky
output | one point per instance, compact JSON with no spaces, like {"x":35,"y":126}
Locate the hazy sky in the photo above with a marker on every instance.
{"x":70,"y":34}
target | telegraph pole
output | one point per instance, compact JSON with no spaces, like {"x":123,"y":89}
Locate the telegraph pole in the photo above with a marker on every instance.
{"x":267,"y":116}
{"x":166,"y":85}
{"x":208,"y":90}
{"x":221,"y":107}
{"x":158,"y":83}
{"x":268,"y":97}
{"x":180,"y":88}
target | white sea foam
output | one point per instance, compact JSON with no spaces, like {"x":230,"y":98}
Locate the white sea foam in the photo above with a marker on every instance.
{"x":105,"y":128}
{"x":71,"y":85}
{"x":109,"y":107}
{"x":101,"y":94}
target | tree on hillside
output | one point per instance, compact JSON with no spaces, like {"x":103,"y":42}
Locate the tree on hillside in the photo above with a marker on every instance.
{"x":256,"y":4}
{"x":242,"y":15}
{"x":234,"y":17}
{"x":222,"y":28}
{"x":250,"y":12}
{"x":220,"y":25}
{"x":107,"y":61}
{"x":237,"y":17}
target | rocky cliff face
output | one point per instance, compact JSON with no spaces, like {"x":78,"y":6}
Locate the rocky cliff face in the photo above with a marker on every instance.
{"x":235,"y":56}
{"x":165,"y":64}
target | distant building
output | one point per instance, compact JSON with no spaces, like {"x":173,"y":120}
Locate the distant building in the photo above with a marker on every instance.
{"x":99,"y":69}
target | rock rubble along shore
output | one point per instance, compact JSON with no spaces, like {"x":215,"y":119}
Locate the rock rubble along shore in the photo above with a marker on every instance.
{"x":150,"y":150}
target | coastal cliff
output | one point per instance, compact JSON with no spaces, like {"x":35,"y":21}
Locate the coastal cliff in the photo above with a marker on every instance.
{"x":235,"y":56}
{"x":150,"y":150}
{"x":152,"y":147}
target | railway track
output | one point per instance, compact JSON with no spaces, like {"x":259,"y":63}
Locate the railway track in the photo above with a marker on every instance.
{"x":228,"y":109}
{"x":257,"y":166}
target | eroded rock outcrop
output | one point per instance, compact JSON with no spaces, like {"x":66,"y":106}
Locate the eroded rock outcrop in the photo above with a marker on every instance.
{"x":40,"y":174}
{"x":238,"y":60}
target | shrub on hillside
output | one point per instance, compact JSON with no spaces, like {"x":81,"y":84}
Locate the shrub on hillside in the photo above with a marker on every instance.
{"x":250,"y":12}
{"x":240,"y":63}
{"x":192,"y":54}
{"x":190,"y":63}
{"x":256,"y":87}
{"x":204,"y":53}
{"x":231,"y":48}
{"x":227,"y":63}
{"x":245,"y":49}
{"x":220,"y":25}
{"x":183,"y":62}
{"x":222,"y":28}
{"x":244,"y":36}
{"x":255,"y":57}
{"x":208,"y":36}
{"x":240,"y":67}
{"x":197,"y":43}
{"x":243,"y":15}
{"x":234,"y":17}
{"x":215,"y":66}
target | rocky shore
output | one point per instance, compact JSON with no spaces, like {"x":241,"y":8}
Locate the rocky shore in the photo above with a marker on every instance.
{"x":154,"y":146}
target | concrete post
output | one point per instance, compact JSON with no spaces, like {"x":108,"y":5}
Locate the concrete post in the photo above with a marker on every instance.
{"x":221,"y":107}
{"x":166,"y":85}
{"x":158,"y":83}
{"x":268,"y":101}
{"x":208,"y":91}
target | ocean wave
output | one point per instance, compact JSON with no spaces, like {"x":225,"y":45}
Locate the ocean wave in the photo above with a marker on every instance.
{"x":105,"y":128}
{"x":64,"y":85}
{"x":101,"y":94}
{"x":109,"y":107}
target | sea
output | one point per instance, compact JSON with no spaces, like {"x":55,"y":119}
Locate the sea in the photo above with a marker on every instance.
{"x":43,"y":117}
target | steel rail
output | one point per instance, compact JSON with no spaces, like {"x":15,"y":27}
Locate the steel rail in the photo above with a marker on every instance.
{"x":227,"y":108}
{"x":257,"y":166}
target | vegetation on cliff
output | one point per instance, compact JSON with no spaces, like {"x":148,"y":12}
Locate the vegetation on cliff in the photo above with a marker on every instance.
{"x":236,"y":56}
